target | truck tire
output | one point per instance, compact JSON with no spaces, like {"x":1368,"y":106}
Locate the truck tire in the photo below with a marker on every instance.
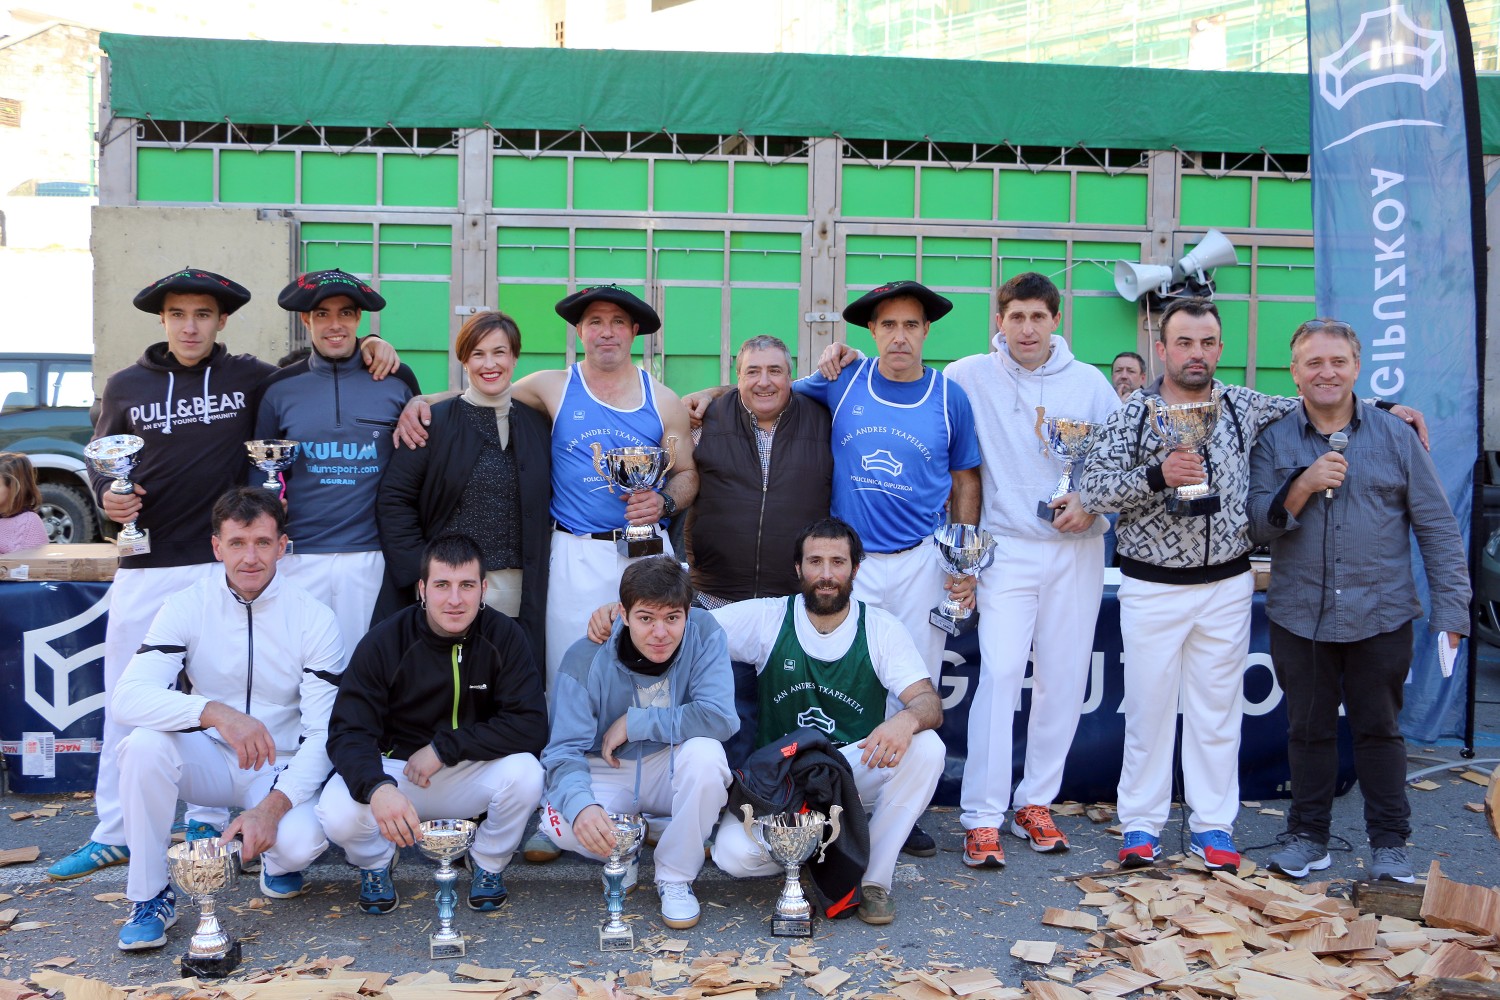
{"x":68,"y":514}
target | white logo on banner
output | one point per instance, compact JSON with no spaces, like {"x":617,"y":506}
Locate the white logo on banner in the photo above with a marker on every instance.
{"x":37,"y":654}
{"x":1387,"y":48}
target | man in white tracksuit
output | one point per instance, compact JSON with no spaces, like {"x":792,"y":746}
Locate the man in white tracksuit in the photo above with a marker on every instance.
{"x":1043,"y":597}
{"x":262,"y":660}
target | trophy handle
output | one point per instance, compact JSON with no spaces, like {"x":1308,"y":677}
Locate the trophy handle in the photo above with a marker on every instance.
{"x":833,"y":831}
{"x":748,"y":811}
{"x":671,"y":456}
{"x":1041,"y":415}
{"x":599,"y":465}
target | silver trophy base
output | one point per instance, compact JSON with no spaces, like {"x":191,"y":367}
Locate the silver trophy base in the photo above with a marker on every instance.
{"x":134,"y":545}
{"x":634,"y":548}
{"x":1195,"y":506}
{"x":616,"y":940}
{"x":212,"y":966}
{"x":791,"y":926}
{"x":963,"y":622}
{"x":441,"y":947}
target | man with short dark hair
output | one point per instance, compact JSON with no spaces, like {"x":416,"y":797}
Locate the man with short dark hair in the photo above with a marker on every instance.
{"x":638,"y":725}
{"x":1127,"y":373}
{"x":440,"y":716}
{"x":261,"y":660}
{"x":1341,"y":600}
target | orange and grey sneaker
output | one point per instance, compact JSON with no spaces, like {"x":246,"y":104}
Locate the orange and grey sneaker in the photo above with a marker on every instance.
{"x":1034,"y":823}
{"x":982,"y":848}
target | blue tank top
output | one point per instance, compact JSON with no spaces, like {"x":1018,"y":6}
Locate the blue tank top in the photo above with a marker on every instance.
{"x":890,"y":457}
{"x":581,"y":500}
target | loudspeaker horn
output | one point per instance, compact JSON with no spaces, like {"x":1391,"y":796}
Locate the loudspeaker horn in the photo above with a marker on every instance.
{"x":1133,"y":280}
{"x":1213,"y":251}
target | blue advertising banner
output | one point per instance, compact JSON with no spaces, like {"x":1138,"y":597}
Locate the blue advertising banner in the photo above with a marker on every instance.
{"x":1394,"y":245}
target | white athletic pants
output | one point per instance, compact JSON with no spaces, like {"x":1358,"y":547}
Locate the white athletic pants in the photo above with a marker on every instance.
{"x":157,"y":769}
{"x":908,"y":585}
{"x":134,"y":599}
{"x":583,"y":573}
{"x":347,"y":582}
{"x":689,"y":783}
{"x":894,"y":796}
{"x":508,"y":788}
{"x":1185,"y":649}
{"x":1042,"y":596}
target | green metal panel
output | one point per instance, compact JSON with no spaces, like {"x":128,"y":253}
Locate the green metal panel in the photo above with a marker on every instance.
{"x":1283,"y":204}
{"x":958,"y":194}
{"x":874,"y":260}
{"x":536,"y":183}
{"x":1102,"y":328}
{"x":1234,"y":280}
{"x":1230,"y":376}
{"x":168,"y":175}
{"x":1094,"y":263}
{"x":1285,"y":271}
{"x":754,"y":311}
{"x":267,"y":178}
{"x":416,"y":249}
{"x":956,"y":261}
{"x":611,"y":255}
{"x":1118,"y":200}
{"x":531,"y":306}
{"x":761,"y":189}
{"x":330,"y":179}
{"x":1275,"y":381}
{"x":691,"y":320}
{"x":420,"y":180}
{"x":1275,"y":322}
{"x":889,"y":192}
{"x":1020,"y":256}
{"x":614,"y":186}
{"x":685,"y":373}
{"x":531,"y":253}
{"x":1222,"y":202}
{"x":1029,"y":197}
{"x":416,"y":322}
{"x":682,"y":186}
{"x":779,"y":257}
{"x":1236,"y":319}
{"x":689,"y":256}
{"x":964,"y":331}
{"x":338,"y":244}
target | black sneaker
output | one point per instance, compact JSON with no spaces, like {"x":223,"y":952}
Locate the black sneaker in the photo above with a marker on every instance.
{"x":377,"y":890}
{"x":919,"y":843}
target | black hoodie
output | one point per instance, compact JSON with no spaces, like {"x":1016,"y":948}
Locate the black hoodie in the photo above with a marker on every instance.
{"x":195,"y":422}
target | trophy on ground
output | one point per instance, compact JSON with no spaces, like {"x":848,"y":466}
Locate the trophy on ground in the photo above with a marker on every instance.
{"x":791,"y":839}
{"x":271,"y":456}
{"x":445,"y":841}
{"x":1068,"y":441}
{"x":202,"y":868}
{"x":963,"y":550}
{"x":117,"y":456}
{"x":1187,"y":427}
{"x":630,"y":834}
{"x":636,"y":470}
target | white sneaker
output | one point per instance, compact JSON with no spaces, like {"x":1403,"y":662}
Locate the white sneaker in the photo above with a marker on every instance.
{"x":679,"y":907}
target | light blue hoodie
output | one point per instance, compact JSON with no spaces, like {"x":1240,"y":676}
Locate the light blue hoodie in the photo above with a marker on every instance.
{"x":594,"y":688}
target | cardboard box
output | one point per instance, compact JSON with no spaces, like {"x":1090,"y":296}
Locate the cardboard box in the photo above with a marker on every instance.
{"x":61,"y":562}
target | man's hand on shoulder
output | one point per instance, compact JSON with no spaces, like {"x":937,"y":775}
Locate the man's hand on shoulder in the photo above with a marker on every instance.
{"x":257,"y":825}
{"x":411,"y":427}
{"x":697,"y":403}
{"x":422,"y":766}
{"x":1413,"y":417}
{"x":248,"y":736}
{"x":396,"y":816}
{"x":602,"y":622}
{"x":834,"y":359}
{"x":379,"y":357}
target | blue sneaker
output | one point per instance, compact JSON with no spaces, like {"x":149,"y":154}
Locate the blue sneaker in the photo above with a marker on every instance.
{"x":1140,"y":849}
{"x":200,"y":831}
{"x":1217,"y":851}
{"x":287,"y":885}
{"x":149,"y":920}
{"x":377,"y":890}
{"x":487,"y":889}
{"x":88,"y":859}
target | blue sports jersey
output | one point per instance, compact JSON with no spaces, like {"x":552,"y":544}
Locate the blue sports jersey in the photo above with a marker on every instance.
{"x":894,"y":447}
{"x":581,"y":500}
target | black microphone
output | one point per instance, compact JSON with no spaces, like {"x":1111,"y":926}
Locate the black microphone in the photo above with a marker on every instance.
{"x":1338,"y":441}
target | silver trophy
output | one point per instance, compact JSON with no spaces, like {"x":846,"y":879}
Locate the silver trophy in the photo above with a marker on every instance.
{"x":791,"y":839}
{"x":1187,"y":427}
{"x":445,"y":841}
{"x":202,"y":868}
{"x":117,"y":455}
{"x":963,"y":550}
{"x":636,"y":470}
{"x":630,"y":834}
{"x":1068,"y":441}
{"x":271,"y":456}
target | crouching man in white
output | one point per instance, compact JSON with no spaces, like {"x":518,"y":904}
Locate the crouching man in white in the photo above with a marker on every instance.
{"x":638,"y":725}
{"x":248,"y":639}
{"x":440,"y":716}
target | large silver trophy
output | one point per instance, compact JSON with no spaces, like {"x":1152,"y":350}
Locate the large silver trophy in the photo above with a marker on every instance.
{"x":1068,"y":441}
{"x":638,"y":469}
{"x":202,"y":868}
{"x":1187,"y":427}
{"x":117,"y":456}
{"x":630,"y":833}
{"x":791,"y":839}
{"x":445,"y":841}
{"x":271,"y":456}
{"x":963,"y":550}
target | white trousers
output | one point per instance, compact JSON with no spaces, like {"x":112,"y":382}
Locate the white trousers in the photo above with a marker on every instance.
{"x":689,"y":783}
{"x":894,"y":796}
{"x":157,"y":769}
{"x":502,"y":591}
{"x":908,"y":585}
{"x":134,"y":599}
{"x":347,"y":582}
{"x":1040,"y":602}
{"x":583,"y":573}
{"x":508,"y":788}
{"x":1185,"y":650}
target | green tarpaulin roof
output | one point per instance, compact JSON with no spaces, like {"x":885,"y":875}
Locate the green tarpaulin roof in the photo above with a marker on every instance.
{"x":408,"y":86}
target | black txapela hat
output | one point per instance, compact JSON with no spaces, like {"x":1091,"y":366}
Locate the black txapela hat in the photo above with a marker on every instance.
{"x":193,"y":281}
{"x":862,"y":310}
{"x":572,"y":307}
{"x":304,"y":294}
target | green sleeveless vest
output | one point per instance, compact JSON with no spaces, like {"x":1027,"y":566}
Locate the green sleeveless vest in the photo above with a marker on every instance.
{"x":844,"y":698}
